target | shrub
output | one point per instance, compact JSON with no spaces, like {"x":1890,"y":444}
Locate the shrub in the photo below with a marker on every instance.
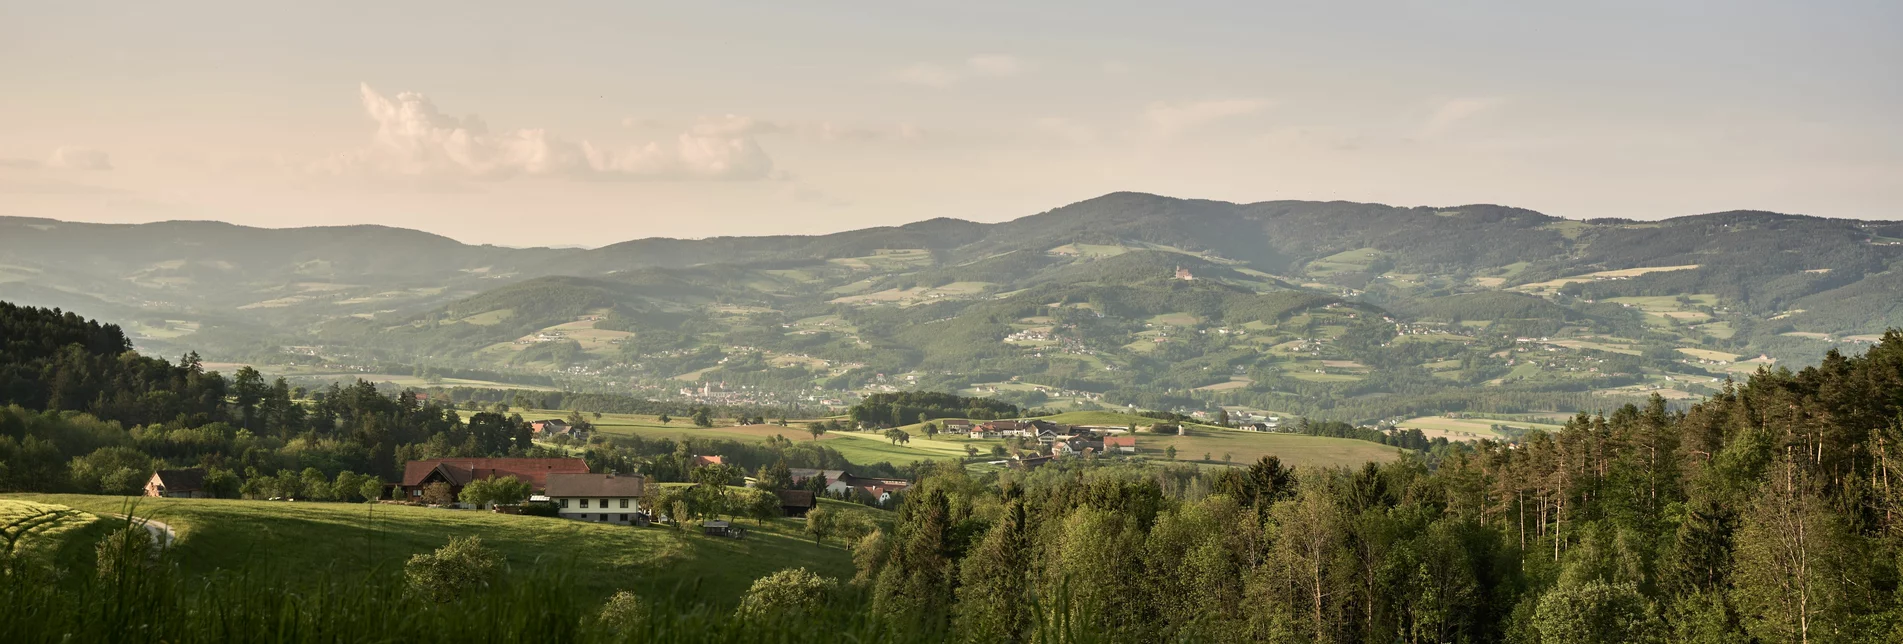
{"x":453,"y":570}
{"x":624,"y":612}
{"x":787,"y":591}
{"x":124,"y":550}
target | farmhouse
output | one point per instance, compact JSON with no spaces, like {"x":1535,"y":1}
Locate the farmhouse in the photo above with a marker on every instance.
{"x":1120,"y":444}
{"x":180,"y":484}
{"x":837,"y":481}
{"x":703,"y":461}
{"x":546,"y":429}
{"x":796,"y":503}
{"x":458,"y":472}
{"x":603,"y":498}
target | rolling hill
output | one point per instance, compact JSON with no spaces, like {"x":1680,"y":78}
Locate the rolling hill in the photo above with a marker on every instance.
{"x":1341,"y":310}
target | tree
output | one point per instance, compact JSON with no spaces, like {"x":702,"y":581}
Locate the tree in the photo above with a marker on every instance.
{"x":1222,"y":418}
{"x":507,"y":490}
{"x":820,"y":523}
{"x":817,"y":429}
{"x":1170,"y":452}
{"x":370,"y":489}
{"x":452,"y":571}
{"x":931,"y":430}
{"x":761,"y":505}
{"x":665,"y":419}
{"x":222,"y":483}
{"x":994,"y":603}
{"x":785,"y":593}
{"x":971,"y":451}
{"x":438,"y":493}
{"x":1595,"y":612}
{"x":704,"y":417}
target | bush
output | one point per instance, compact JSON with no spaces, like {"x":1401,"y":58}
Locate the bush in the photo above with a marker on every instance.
{"x":624,"y":612}
{"x":541,"y":509}
{"x":125,"y":550}
{"x":787,"y":591}
{"x":454,"y":570}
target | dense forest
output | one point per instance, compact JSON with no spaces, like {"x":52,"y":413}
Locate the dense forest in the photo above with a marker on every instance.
{"x":1766,"y":513}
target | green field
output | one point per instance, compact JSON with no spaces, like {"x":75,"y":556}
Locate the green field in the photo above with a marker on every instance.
{"x":277,"y":538}
{"x":1248,"y":447}
{"x":1464,"y":429}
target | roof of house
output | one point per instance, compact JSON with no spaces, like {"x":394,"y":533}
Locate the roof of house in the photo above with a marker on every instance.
{"x":1119,"y":441}
{"x":706,"y":460}
{"x":460,"y":471}
{"x":796,"y":499}
{"x":571,"y":484}
{"x":189,"y":480}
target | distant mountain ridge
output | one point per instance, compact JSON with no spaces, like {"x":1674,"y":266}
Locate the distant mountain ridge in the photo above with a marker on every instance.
{"x":948,"y":295}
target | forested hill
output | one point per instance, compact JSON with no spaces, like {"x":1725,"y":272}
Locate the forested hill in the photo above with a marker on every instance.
{"x":1125,"y":299}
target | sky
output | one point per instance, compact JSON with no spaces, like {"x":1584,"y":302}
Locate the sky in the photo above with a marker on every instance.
{"x":584,"y":124}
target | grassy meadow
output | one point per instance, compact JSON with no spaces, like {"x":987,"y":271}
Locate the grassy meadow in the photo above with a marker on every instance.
{"x":299,"y":539}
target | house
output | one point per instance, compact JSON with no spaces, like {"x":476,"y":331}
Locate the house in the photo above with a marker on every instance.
{"x":1046,"y":436}
{"x":796,"y":503}
{"x":1061,"y":449}
{"x":458,"y":472}
{"x":550,"y":428}
{"x":838,"y":482}
{"x":698,"y":462}
{"x":1120,"y":445}
{"x":602,"y":498}
{"x":178,"y":484}
{"x":957,"y":426}
{"x":984,"y":431}
{"x":881,"y":490}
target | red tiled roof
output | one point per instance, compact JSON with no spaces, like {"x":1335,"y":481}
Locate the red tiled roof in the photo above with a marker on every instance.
{"x":460,"y":471}
{"x":706,"y":460}
{"x":1120,"y":441}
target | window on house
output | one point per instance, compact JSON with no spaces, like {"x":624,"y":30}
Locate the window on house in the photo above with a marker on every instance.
{"x":584,"y":503}
{"x":417,"y":492}
{"x":624,"y":506}
{"x":604,"y":504}
{"x":564,"y":503}
{"x":624,"y":518}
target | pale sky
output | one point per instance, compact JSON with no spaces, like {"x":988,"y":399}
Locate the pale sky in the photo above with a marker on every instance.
{"x":589,"y":123}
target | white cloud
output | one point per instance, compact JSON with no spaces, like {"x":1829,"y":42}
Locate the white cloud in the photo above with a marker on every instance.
{"x":416,"y":139}
{"x":944,"y":75}
{"x":1452,"y":112}
{"x":77,"y":158}
{"x":1170,"y":119}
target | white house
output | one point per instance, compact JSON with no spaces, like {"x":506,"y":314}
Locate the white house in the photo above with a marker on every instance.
{"x":603,"y":498}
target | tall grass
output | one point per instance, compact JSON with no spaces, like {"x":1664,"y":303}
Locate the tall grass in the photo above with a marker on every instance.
{"x":146,"y":598}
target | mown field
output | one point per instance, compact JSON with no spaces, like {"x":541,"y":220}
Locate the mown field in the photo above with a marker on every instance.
{"x":304,"y":539}
{"x":873,"y":447}
{"x":1467,"y":429}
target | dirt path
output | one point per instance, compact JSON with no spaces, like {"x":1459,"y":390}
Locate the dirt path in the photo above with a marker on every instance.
{"x":162,"y":533}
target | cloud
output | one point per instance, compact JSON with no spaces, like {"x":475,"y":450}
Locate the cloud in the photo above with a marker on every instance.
{"x":1170,"y":119}
{"x":415,"y":139}
{"x":78,"y":158}
{"x":1453,"y":112}
{"x":946,"y":75}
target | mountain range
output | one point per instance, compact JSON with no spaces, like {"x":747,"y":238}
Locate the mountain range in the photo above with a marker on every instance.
{"x":1344,"y":309}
